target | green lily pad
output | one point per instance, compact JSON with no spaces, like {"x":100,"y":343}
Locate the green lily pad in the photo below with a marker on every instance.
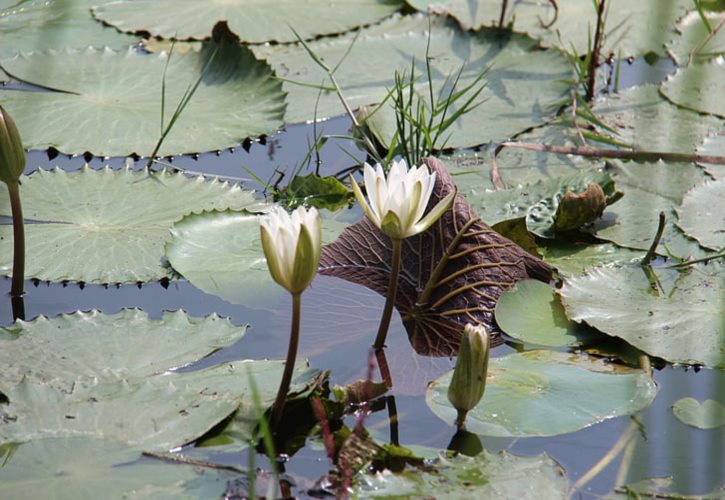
{"x":701,"y":215}
{"x":483,"y":476}
{"x":575,"y":258}
{"x":82,"y":467}
{"x":36,"y":25}
{"x":661,"y":487}
{"x":89,"y":374}
{"x":530,"y":311}
{"x":114,"y":99}
{"x":713,"y":145}
{"x":221,"y":253}
{"x":546,"y":393}
{"x":661,"y":318}
{"x":698,"y":87}
{"x":645,"y":120}
{"x":99,"y":223}
{"x":695,"y":43}
{"x":522,"y":85}
{"x":253,"y":21}
{"x":649,"y":188}
{"x":634,"y":28}
{"x":708,"y":414}
{"x":316,"y":191}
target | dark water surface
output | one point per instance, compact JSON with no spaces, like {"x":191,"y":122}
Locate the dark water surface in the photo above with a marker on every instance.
{"x":339,"y":322}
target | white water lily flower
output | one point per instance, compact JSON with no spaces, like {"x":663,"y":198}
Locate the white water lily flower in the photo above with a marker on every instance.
{"x":292,"y":245}
{"x":397,"y":203}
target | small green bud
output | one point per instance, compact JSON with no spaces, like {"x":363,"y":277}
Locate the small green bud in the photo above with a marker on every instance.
{"x":12,"y":154}
{"x":469,"y":375}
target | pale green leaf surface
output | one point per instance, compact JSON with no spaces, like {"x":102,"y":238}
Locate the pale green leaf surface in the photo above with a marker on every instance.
{"x":699,"y":87}
{"x":574,"y":258}
{"x":713,"y":145}
{"x":694,"y":43}
{"x":89,"y":374}
{"x":661,"y":487}
{"x":522,"y":85}
{"x":483,"y":476}
{"x":546,"y":393}
{"x":708,"y":414}
{"x":635,"y":28}
{"x":702,"y":214}
{"x":531,"y":312}
{"x":100,"y":224}
{"x":82,"y":467}
{"x":254,"y":21}
{"x":649,"y":188}
{"x":221,"y":253}
{"x":648,"y":122}
{"x":37,"y":25}
{"x":115,"y":105}
{"x":680,"y":320}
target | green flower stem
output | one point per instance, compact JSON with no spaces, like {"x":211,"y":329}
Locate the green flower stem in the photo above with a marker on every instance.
{"x":461,"y":419}
{"x":392,"y":292}
{"x":16,"y":289}
{"x":289,"y":365}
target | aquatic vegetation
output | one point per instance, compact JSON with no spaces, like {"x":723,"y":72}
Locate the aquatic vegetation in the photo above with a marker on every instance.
{"x":468,"y":381}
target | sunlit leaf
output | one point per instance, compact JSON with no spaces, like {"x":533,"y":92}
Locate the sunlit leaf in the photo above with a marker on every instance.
{"x":316,"y":191}
{"x":476,"y":270}
{"x":254,"y":21}
{"x":531,"y":312}
{"x":36,"y":25}
{"x":98,"y":226}
{"x":571,"y":258}
{"x":701,"y":216}
{"x":521,"y":87}
{"x":82,"y":467}
{"x":89,"y":374}
{"x":698,"y":87}
{"x":654,"y":487}
{"x":484,"y":476}
{"x":694,"y":41}
{"x":708,"y":414}
{"x":714,"y":145}
{"x":545,"y":393}
{"x":662,"y":317}
{"x":634,"y":28}
{"x":111,"y":101}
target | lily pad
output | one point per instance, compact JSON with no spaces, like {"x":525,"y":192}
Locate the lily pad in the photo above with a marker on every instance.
{"x":546,"y":393}
{"x":635,"y":29}
{"x":530,"y":311}
{"x":649,"y":188}
{"x":662,"y":318}
{"x":659,"y":487}
{"x":575,"y":258}
{"x":523,"y":83}
{"x":695,"y":43}
{"x":36,"y":25}
{"x":714,"y":145}
{"x":483,"y":476}
{"x":708,"y":414}
{"x":701,"y":215}
{"x":89,"y":374}
{"x":82,"y":467}
{"x":698,"y":87}
{"x":254,"y":21}
{"x":100,"y":226}
{"x":114,"y":99}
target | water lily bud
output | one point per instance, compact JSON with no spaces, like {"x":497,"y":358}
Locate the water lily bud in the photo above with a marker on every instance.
{"x":292,"y":244}
{"x":12,"y":155}
{"x":396,"y":204}
{"x":469,"y":375}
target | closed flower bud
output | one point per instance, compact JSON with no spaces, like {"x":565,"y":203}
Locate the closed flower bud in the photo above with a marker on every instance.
{"x":12,"y":155}
{"x":469,"y":376}
{"x":292,"y":244}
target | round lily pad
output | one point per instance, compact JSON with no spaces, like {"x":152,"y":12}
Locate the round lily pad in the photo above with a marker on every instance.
{"x":109,"y":102}
{"x":530,"y":311}
{"x":546,"y":393}
{"x":708,"y":414}
{"x":673,"y":315}
{"x":253,"y":21}
{"x":701,"y":214}
{"x":97,"y":226}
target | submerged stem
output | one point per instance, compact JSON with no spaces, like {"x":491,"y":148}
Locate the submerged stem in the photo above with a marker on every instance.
{"x":392,"y":292}
{"x":289,"y":365}
{"x":16,"y":289}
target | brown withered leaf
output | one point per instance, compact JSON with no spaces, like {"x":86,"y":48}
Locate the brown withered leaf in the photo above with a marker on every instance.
{"x":479,"y":265}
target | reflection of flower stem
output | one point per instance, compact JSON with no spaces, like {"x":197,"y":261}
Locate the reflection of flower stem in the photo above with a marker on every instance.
{"x":392,"y":292}
{"x":16,"y":289}
{"x":289,"y":365}
{"x":384,"y":369}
